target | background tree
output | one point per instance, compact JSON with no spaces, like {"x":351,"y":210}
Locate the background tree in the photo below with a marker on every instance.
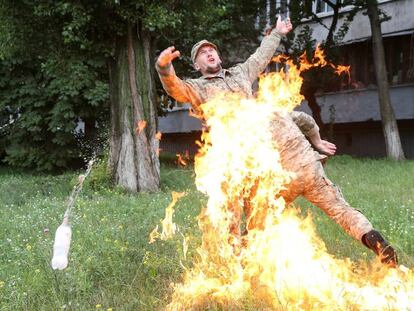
{"x":389,"y":124}
{"x":321,"y":79}
{"x":65,"y":61}
{"x":143,"y":24}
{"x":48,"y":82}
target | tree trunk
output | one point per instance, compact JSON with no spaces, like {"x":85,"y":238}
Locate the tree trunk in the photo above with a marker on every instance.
{"x":133,"y":160}
{"x":389,"y":124}
{"x":330,"y":37}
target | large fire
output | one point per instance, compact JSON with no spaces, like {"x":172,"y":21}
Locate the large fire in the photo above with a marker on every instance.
{"x":280,"y":263}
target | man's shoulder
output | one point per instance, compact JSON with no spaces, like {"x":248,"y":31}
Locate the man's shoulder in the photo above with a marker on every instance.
{"x":194,"y":81}
{"x":237,"y":68}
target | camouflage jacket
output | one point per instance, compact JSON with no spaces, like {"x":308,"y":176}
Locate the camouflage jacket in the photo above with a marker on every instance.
{"x":239,"y":78}
{"x":235,"y":79}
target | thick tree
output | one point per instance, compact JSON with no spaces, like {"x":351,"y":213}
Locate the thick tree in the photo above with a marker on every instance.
{"x":62,"y":61}
{"x":389,"y":124}
{"x":133,"y":155}
{"x":133,"y":143}
{"x":315,"y":80}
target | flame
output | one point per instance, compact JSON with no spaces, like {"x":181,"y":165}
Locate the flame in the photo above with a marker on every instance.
{"x":318,"y":60}
{"x":158,"y":136}
{"x":182,"y":159}
{"x":154,"y":235}
{"x":340,"y":69}
{"x":185,"y":246}
{"x":280,"y":263}
{"x":140,"y":126}
{"x":168,"y":226}
{"x":319,"y":57}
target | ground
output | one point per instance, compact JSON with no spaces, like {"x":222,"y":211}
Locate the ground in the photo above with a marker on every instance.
{"x":113,"y":267}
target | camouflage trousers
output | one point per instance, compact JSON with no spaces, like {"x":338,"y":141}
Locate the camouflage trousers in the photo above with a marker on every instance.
{"x":311,"y":182}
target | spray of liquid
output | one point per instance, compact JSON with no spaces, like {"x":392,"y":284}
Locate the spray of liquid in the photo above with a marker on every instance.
{"x":63,"y":233}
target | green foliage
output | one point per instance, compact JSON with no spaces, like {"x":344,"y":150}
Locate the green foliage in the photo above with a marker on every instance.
{"x":49,"y":81}
{"x":304,"y":42}
{"x":46,"y":107}
{"x":100,"y":177}
{"x":54,"y":60}
{"x":6,"y":32}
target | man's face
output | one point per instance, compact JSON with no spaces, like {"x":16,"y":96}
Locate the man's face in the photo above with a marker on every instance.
{"x":207,"y":60}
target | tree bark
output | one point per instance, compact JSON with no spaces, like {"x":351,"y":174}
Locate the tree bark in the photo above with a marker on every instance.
{"x":330,"y":37}
{"x":389,"y":124}
{"x":133,"y":160}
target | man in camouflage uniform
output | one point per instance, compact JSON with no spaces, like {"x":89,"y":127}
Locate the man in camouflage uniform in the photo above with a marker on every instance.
{"x":297,"y":154}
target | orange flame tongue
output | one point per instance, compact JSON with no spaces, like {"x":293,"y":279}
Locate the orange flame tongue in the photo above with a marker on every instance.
{"x":182,"y":159}
{"x":281,"y":263}
{"x":140,"y":126}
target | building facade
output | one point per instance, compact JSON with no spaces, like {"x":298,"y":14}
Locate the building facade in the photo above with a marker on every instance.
{"x":350,"y":110}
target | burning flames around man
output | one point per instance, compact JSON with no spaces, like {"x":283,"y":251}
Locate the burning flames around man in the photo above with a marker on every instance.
{"x":279,"y":262}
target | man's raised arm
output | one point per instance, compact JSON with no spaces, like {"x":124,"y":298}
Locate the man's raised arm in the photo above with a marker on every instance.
{"x":175,"y":87}
{"x":258,"y":61}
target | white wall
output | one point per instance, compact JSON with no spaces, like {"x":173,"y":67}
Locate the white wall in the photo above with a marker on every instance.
{"x":400,"y":11}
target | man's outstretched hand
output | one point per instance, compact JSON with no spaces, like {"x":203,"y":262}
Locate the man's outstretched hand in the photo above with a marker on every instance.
{"x":283,"y":27}
{"x":325,"y":147}
{"x":167,"y":56}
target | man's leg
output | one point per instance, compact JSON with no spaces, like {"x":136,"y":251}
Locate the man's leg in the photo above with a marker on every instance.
{"x":376,"y":242}
{"x":256,"y":219}
{"x":320,"y":191}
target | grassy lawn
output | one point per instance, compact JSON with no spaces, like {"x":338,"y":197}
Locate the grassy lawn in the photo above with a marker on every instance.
{"x":112,"y":266}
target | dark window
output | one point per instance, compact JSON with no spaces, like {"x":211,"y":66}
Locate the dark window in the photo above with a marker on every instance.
{"x":399,"y":58}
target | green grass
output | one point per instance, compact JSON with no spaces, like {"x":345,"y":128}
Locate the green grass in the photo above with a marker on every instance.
{"x":111,"y":263}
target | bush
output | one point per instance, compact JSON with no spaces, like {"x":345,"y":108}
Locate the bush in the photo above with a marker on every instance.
{"x":100,"y":177}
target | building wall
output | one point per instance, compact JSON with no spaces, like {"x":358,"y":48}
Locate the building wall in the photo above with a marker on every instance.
{"x":366,"y":139}
{"x":178,"y":120}
{"x":361,"y":105}
{"x":355,"y":116}
{"x":356,"y":120}
{"x":357,"y":139}
{"x":360,"y":139}
{"x":400,"y":11}
{"x":180,"y":143}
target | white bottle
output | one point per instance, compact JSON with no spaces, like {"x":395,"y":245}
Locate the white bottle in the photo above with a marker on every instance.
{"x":61,"y":246}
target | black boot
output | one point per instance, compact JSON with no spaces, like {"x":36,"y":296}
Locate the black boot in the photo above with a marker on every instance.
{"x":373,"y":240}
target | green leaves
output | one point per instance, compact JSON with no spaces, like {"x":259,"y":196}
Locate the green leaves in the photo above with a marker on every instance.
{"x":55,"y":55}
{"x":53,"y":73}
{"x":48,"y":106}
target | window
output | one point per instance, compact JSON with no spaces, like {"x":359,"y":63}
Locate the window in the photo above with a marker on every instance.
{"x":399,"y":56}
{"x":329,"y":8}
{"x":320,"y":7}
